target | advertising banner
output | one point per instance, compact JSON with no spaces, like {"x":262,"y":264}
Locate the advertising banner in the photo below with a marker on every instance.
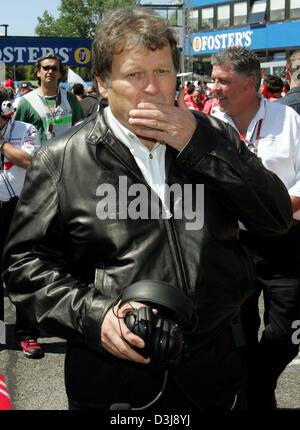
{"x":267,"y":36}
{"x":26,"y":50}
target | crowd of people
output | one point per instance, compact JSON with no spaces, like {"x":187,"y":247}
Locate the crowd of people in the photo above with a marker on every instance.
{"x":73,"y":248}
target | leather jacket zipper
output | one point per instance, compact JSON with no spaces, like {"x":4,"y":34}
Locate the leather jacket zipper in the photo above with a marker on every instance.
{"x":169,"y":223}
{"x":175,"y":249}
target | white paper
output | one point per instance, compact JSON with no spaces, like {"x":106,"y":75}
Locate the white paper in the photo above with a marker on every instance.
{"x":74,"y":78}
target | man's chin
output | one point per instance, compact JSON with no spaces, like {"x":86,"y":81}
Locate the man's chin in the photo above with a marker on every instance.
{"x":222,"y":105}
{"x":146,"y":139}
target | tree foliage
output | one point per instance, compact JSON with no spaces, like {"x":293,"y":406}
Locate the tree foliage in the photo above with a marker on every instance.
{"x":78,"y":18}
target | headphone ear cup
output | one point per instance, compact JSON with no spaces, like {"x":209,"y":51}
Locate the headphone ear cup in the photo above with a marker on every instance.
{"x":176,"y":344}
{"x":167,"y":343}
{"x":145,"y":318}
{"x":163,"y":337}
{"x":140,"y":322}
{"x":156,"y":342}
{"x":164,"y":349}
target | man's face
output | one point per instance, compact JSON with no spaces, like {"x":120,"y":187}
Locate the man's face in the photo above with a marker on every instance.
{"x":231,"y":88}
{"x":49,"y":72}
{"x":24,"y":90}
{"x":196,"y":96}
{"x":140,"y":75}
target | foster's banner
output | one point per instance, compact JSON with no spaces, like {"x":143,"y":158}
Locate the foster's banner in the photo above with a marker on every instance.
{"x":26,"y":50}
{"x":266,"y":36}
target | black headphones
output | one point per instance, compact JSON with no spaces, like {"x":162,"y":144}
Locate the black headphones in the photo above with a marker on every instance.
{"x":162,"y":333}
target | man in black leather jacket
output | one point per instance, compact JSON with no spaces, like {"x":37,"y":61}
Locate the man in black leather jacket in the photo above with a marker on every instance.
{"x":77,"y":241}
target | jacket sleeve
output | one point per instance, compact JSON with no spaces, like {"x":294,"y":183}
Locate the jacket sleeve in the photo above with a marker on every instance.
{"x":254,"y":195}
{"x":35,"y":269}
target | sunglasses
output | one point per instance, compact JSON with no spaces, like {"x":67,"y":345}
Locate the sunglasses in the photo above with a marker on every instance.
{"x":53,"y":68}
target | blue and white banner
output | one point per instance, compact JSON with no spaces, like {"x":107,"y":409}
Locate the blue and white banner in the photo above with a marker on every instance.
{"x":268,"y":36}
{"x":26,"y":50}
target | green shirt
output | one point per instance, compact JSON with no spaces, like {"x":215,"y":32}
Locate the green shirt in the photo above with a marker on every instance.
{"x":26,"y":113}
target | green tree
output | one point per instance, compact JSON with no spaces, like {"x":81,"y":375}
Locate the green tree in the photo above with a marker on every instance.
{"x":78,"y":18}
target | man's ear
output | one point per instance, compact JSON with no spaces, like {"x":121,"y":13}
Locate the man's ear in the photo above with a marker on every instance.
{"x":252,"y":81}
{"x":101,"y":82}
{"x":288,"y":75}
{"x":102,"y":87}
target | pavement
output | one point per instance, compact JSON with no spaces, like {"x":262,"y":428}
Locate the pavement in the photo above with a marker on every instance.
{"x":34,"y":384}
{"x":39,"y":384}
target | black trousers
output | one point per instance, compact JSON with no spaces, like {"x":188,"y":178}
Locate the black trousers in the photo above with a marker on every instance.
{"x":211,"y":378}
{"x":23,"y":326}
{"x":277,"y":263}
{"x":6,"y":213}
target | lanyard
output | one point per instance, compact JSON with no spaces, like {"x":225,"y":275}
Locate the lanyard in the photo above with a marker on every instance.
{"x":51,"y":114}
{"x":5,"y":179}
{"x":252,"y":144}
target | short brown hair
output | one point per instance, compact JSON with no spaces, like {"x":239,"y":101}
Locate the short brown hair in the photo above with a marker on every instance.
{"x":130,"y":27}
{"x":274,"y":83}
{"x":243,"y":61}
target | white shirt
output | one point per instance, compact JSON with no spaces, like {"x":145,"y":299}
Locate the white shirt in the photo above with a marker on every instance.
{"x":23,"y":136}
{"x":279,"y":142}
{"x":151,"y":162}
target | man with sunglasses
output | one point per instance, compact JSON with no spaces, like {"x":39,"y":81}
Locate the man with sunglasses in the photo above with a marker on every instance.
{"x":51,"y":109}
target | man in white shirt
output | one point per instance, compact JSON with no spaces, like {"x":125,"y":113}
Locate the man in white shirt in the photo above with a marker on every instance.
{"x":272,"y":131}
{"x":18,"y":144}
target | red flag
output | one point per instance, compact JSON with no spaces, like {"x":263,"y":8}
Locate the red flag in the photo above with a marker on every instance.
{"x":5,"y":402}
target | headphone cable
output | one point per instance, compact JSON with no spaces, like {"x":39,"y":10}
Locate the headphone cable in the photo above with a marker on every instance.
{"x":123,"y":406}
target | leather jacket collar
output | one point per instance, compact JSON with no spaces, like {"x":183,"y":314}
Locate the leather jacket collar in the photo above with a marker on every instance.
{"x":101,"y":134}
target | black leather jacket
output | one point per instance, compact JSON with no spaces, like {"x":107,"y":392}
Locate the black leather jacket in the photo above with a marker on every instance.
{"x":65,"y":267}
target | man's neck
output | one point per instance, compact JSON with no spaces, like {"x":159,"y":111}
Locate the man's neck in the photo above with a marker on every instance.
{"x":149,"y":143}
{"x":48,"y":91}
{"x":114,"y":122}
{"x":243,"y":118}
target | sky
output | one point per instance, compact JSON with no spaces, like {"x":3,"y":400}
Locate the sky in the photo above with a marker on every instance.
{"x":21,"y":15}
